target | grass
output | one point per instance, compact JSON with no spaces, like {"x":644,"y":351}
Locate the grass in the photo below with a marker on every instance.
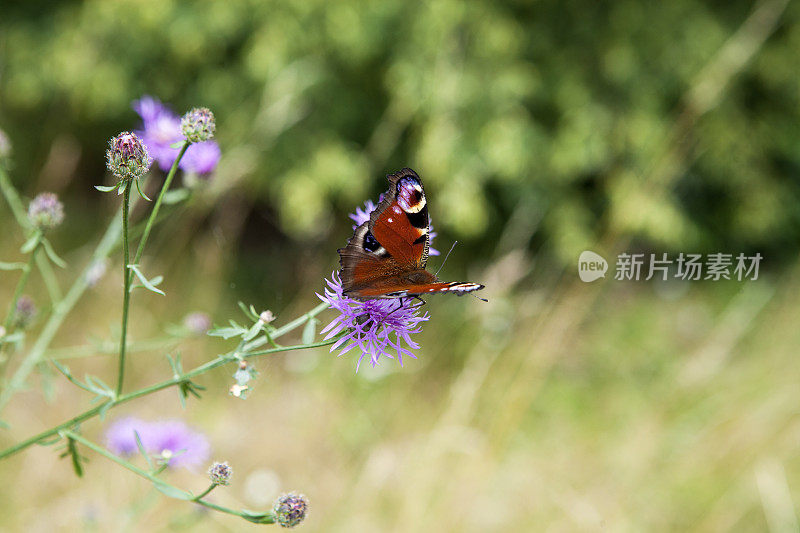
{"x":616,"y":406}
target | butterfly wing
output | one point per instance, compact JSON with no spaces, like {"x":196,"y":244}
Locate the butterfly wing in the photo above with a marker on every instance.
{"x":400,"y":222}
{"x":386,"y":256}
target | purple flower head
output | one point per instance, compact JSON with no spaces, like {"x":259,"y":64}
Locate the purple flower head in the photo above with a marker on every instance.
{"x":374,"y":326}
{"x":127,"y":157}
{"x":362,"y":215}
{"x":162,"y":129}
{"x":220,"y":473}
{"x":46,"y":211}
{"x":290,"y":509}
{"x":198,"y":125}
{"x":197,"y":323}
{"x":201,"y":158}
{"x":175,"y":442}
{"x":24,"y":312}
{"x":120,"y":438}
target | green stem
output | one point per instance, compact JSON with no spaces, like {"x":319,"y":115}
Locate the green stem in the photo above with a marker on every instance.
{"x":154,"y":213}
{"x":205,"y":492}
{"x":120,"y":461}
{"x":13,"y":199}
{"x":26,"y":272}
{"x":23,"y":280}
{"x":18,"y":210}
{"x":126,"y":276}
{"x":111,"y":348}
{"x":108,"y":404}
{"x":60,"y":311}
{"x":185,"y":495}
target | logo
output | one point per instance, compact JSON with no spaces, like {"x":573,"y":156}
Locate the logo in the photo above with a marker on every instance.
{"x":591,"y":266}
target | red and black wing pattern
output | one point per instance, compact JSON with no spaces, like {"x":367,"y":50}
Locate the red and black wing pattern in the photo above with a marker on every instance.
{"x":386,"y":256}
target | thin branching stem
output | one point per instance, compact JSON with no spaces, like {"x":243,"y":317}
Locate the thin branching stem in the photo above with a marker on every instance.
{"x":173,"y":491}
{"x":18,"y":210}
{"x":12,"y":309}
{"x":126,"y":277}
{"x":157,"y":206}
{"x":176,"y":380}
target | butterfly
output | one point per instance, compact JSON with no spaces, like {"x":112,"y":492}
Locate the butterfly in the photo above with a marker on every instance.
{"x":386,"y":256}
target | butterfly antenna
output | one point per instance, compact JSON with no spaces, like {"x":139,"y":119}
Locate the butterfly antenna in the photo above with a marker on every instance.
{"x":479,"y":298}
{"x":445,"y":258}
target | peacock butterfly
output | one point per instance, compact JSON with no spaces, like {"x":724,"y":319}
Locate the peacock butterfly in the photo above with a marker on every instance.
{"x":387,"y":254}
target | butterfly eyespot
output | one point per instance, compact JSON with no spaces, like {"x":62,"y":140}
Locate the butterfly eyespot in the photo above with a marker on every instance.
{"x":390,"y":263}
{"x":370,"y":244}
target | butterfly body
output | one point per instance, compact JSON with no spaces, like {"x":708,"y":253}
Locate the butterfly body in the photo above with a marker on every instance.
{"x":387,"y":255}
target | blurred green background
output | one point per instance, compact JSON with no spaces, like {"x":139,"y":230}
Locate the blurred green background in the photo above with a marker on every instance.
{"x":541,"y":129}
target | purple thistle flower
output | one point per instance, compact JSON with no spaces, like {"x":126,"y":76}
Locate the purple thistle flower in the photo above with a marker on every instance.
{"x":120,"y":438}
{"x":24,"y":312}
{"x":174,"y":441}
{"x":375,"y":326}
{"x":162,"y":129}
{"x":46,"y":211}
{"x":290,"y":509}
{"x":362,"y":215}
{"x":201,"y":158}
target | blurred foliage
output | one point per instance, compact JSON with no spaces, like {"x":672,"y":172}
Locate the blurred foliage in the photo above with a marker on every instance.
{"x":560,"y":109}
{"x":540,"y":129}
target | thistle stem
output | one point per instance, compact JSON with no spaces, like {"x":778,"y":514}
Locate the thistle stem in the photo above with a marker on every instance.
{"x":126,"y":276}
{"x":108,"y":404}
{"x":205,"y":492}
{"x":154,"y":213}
{"x":23,"y":280}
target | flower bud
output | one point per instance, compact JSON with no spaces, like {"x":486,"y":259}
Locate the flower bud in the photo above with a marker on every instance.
{"x":198,"y":125}
{"x":220,"y":473}
{"x":266,"y":317}
{"x":127,"y":157}
{"x":290,"y":509}
{"x":45,"y":211}
{"x":197,"y":323}
{"x":24,"y":312}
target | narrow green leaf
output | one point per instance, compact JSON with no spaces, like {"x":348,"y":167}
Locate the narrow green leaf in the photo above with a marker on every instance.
{"x":72,"y":448}
{"x":142,"y":194}
{"x":172,"y":492}
{"x":12,"y":266}
{"x":249,"y":312}
{"x":258,"y":517}
{"x":226,"y":332}
{"x":104,"y":188}
{"x":175,"y":196}
{"x":103,"y":410}
{"x":142,"y":450}
{"x":252,"y":332}
{"x":52,"y":254}
{"x":30,"y":244}
{"x":310,"y":331}
{"x":177,"y":145}
{"x":147,"y":284}
{"x":64,"y":369}
{"x":50,"y":441}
